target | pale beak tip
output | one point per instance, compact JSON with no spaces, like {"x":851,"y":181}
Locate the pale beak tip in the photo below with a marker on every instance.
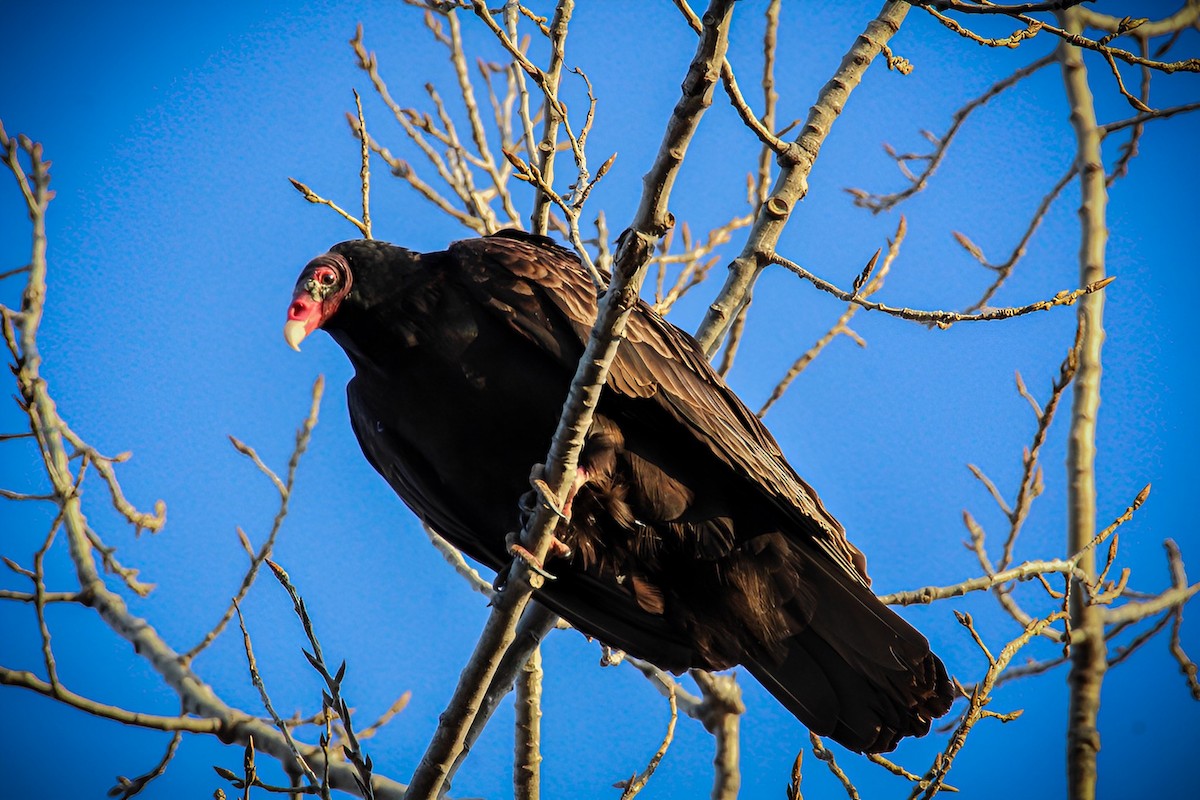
{"x":294,"y":333}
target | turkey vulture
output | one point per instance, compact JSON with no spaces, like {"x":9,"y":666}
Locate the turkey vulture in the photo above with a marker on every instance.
{"x":693,"y":542}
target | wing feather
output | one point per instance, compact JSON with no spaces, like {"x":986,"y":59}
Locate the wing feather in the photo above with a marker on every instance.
{"x":545,"y":294}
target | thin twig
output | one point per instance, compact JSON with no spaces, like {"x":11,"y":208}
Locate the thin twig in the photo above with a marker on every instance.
{"x":364,"y":174}
{"x":933,"y":780}
{"x":823,"y":753}
{"x":316,"y":199}
{"x":792,"y":184}
{"x":842,"y":325}
{"x":454,"y":558}
{"x":212,"y":715}
{"x":943,"y":319}
{"x":884,"y":202}
{"x":1004,"y":270}
{"x":298,"y":759}
{"x":128,"y":787}
{"x":637,"y":782}
{"x":333,"y":697}
{"x":1068,"y":33}
{"x":303,"y":437}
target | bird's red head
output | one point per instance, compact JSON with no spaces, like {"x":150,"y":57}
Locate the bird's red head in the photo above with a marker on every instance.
{"x":322,"y":286}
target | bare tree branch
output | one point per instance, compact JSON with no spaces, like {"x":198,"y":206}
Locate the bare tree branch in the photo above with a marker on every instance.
{"x":842,"y":325}
{"x":1088,"y":658}
{"x":792,"y":184}
{"x":720,"y":713}
{"x":527,"y":758}
{"x":876,"y":203}
{"x":979,"y":699}
{"x":823,"y":753}
{"x":633,"y":254}
{"x":210,"y":713}
{"x":942,"y":319}
{"x":1069,"y":33}
{"x":303,"y":437}
{"x":638,"y":781}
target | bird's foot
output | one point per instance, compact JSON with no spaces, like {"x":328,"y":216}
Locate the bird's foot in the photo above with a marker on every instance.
{"x":610,"y":656}
{"x":544,"y":495}
{"x":518,"y":551}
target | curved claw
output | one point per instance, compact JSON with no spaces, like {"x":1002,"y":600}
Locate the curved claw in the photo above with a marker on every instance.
{"x":531,"y":561}
{"x":500,"y":581}
{"x":548,"y":498}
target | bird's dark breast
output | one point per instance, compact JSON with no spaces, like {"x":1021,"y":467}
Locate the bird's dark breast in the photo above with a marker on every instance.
{"x":456,"y":422}
{"x":456,"y":409}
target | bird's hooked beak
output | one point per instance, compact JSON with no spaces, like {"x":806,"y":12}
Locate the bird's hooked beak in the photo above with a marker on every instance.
{"x":319,"y":291}
{"x":304,"y":317}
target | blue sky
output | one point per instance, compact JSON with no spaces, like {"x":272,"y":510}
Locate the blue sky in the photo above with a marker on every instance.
{"x":175,"y":240}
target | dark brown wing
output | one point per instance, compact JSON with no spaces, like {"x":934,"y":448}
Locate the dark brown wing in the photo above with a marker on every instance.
{"x":658,"y":363}
{"x":710,"y":536}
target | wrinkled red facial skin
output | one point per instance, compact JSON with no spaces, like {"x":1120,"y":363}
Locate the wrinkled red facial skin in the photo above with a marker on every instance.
{"x":318,"y":293}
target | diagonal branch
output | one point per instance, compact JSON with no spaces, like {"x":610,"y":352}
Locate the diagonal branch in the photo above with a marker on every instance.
{"x":303,"y":436}
{"x":876,"y":202}
{"x":635,"y":249}
{"x":842,"y":325}
{"x":792,"y":184}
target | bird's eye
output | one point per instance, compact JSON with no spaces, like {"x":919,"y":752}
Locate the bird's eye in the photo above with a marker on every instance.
{"x":328,"y":278}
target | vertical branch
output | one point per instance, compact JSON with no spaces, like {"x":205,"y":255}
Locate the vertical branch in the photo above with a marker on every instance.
{"x":1088,"y":658}
{"x":536,"y":622}
{"x":511,"y":17}
{"x":527,"y":756}
{"x":735,"y":339}
{"x":364,"y":174}
{"x":549,"y":146}
{"x":478,"y":131}
{"x":770,"y":98}
{"x":720,"y":714}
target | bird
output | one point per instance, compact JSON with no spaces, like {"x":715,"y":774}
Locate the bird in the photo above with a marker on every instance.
{"x":691,"y":541}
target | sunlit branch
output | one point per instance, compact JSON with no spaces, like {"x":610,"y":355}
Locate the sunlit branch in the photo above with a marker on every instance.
{"x":942,"y":319}
{"x":634,"y":251}
{"x":792,"y":184}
